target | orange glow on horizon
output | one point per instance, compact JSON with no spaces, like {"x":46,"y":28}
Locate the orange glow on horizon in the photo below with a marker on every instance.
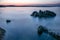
{"x":17,"y":3}
{"x":22,"y":3}
{"x":27,"y":2}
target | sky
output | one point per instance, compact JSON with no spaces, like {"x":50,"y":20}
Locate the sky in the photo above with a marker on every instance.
{"x":26,"y":2}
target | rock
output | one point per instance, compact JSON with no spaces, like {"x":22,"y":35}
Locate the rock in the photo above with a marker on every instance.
{"x":2,"y":33}
{"x":8,"y":21}
{"x":35,"y":14}
{"x":44,"y":14}
{"x":56,"y":36}
{"x":42,"y":29}
{"x":49,"y":13}
{"x":41,"y":13}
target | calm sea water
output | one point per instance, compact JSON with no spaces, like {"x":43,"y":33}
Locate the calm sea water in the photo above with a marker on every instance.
{"x":24,"y":27}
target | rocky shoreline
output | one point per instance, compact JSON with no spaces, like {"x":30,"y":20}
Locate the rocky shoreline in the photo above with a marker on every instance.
{"x":42,"y":29}
{"x":2,"y":33}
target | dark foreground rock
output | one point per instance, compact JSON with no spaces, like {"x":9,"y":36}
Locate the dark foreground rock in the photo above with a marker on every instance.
{"x":41,"y":29}
{"x":44,"y":14}
{"x":2,"y":33}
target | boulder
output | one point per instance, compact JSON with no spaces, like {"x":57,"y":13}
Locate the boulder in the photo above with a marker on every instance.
{"x":35,"y":14}
{"x":2,"y":33}
{"x":8,"y":21}
{"x":42,"y":29}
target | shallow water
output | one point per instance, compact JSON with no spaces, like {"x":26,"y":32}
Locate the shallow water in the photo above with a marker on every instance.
{"x":24,"y":27}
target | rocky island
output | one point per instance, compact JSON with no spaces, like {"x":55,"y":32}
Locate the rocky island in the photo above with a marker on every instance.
{"x":44,"y":14}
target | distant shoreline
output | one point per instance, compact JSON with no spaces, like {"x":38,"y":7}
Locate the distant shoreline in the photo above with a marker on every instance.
{"x":35,"y":5}
{"x":29,"y":6}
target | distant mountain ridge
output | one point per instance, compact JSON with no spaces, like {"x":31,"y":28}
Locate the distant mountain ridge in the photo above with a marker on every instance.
{"x":34,"y":5}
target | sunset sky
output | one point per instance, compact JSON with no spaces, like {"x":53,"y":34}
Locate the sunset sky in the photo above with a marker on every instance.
{"x":26,"y":2}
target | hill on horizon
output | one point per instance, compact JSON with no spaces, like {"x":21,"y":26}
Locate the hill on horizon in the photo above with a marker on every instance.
{"x":33,"y":5}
